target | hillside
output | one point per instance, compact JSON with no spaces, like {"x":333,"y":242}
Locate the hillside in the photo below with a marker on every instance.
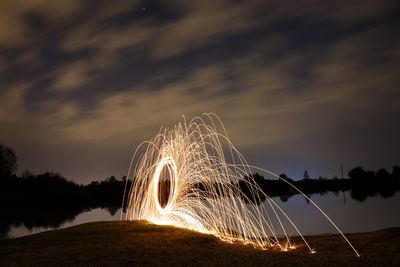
{"x":141,"y":243}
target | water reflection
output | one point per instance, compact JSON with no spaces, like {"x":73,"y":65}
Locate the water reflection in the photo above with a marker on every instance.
{"x":357,"y":193}
{"x":349,"y":213}
{"x":51,"y":221}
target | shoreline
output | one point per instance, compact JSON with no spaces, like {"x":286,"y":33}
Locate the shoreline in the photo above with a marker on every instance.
{"x":141,"y":243}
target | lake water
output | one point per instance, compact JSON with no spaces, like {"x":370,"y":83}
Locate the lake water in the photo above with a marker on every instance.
{"x":350,"y":215}
{"x":84,"y":217}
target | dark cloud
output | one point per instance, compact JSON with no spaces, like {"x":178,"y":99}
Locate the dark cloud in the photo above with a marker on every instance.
{"x":298,"y":84}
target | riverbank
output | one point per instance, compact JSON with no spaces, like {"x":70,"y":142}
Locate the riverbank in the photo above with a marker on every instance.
{"x":141,"y":243}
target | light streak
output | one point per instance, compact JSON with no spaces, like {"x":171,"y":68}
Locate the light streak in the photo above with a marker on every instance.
{"x":189,"y":177}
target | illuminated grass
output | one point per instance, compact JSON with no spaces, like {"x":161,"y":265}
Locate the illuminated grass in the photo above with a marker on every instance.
{"x":140,"y":243}
{"x":200,"y":171}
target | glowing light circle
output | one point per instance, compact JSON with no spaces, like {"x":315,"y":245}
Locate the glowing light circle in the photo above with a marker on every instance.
{"x":169,"y":163}
{"x":215,"y":192}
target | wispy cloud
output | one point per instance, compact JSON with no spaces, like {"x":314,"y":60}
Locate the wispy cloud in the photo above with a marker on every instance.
{"x":286,"y":77}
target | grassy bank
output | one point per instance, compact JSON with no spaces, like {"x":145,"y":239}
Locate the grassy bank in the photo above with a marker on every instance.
{"x":140,"y":243}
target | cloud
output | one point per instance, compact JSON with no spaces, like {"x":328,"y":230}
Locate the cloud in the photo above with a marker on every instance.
{"x":202,"y":24}
{"x":13,"y":28}
{"x":356,"y":10}
{"x":265,"y":97}
{"x":12,"y":104}
{"x":143,"y":111}
{"x":283,"y":77}
{"x":360,"y":67}
{"x":72,"y":76}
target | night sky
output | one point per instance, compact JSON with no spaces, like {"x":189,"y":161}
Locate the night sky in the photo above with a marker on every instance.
{"x":298,"y":84}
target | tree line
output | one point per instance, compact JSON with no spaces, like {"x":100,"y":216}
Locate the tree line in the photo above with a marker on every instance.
{"x":361,"y":183}
{"x":49,"y":199}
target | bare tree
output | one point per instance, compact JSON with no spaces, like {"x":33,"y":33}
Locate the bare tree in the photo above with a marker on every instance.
{"x":8,"y":160}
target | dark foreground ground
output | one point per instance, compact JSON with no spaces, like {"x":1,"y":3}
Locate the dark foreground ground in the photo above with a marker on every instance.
{"x":140,"y":243}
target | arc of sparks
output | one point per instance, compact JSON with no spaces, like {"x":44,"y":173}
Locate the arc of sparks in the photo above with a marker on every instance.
{"x":205,"y":192}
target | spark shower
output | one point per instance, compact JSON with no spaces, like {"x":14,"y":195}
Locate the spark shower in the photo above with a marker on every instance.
{"x":189,"y":177}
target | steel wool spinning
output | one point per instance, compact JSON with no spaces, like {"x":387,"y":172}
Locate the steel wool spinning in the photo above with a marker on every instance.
{"x":193,"y":177}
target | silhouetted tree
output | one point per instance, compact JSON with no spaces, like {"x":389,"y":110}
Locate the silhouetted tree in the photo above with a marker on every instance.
{"x":383,"y":174}
{"x":357,"y":174}
{"x":111,"y":179}
{"x":284,"y":177}
{"x":386,"y":183}
{"x":306,"y":176}
{"x":369,"y":176}
{"x":396,"y":172}
{"x":8,"y":160}
{"x":358,"y":195}
{"x":258,"y":179}
{"x":112,"y":210}
{"x":284,"y":198}
{"x":26,"y":174}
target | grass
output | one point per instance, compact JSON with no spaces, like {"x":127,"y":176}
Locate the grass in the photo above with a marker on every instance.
{"x":141,"y":243}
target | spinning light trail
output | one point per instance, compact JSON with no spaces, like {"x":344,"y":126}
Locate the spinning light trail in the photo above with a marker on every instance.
{"x":193,"y":177}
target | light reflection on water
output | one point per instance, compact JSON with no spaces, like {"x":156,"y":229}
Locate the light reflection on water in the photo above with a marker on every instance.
{"x":93,"y":215}
{"x":350,"y":215}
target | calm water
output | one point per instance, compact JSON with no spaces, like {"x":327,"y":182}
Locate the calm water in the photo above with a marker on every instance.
{"x":350,"y":215}
{"x":84,"y":217}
